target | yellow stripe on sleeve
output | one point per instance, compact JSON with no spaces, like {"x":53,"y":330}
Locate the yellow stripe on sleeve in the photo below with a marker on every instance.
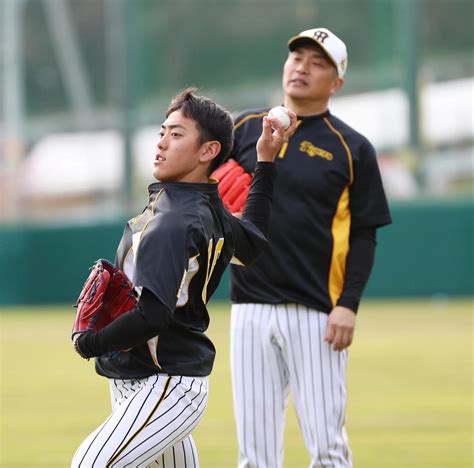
{"x":340,"y":230}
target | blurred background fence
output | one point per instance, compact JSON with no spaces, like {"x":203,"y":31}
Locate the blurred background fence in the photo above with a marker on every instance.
{"x":85,"y":84}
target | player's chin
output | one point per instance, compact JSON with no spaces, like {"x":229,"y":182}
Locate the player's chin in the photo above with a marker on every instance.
{"x":159,"y":173}
{"x":165,"y":174}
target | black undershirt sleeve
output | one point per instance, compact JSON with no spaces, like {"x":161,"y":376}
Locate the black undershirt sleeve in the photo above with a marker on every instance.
{"x":148,"y":319}
{"x":250,"y":232}
{"x":359,"y":262}
{"x":259,"y":202}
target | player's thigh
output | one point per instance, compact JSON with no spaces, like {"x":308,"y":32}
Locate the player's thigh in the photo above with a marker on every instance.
{"x":161,"y":414}
{"x":181,"y":455}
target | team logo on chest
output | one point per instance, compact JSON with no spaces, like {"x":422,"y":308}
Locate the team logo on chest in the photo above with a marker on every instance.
{"x":312,"y":151}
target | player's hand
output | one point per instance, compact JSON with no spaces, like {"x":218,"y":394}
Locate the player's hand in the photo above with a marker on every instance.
{"x":273,"y":136}
{"x":83,"y":351}
{"x":340,"y":328}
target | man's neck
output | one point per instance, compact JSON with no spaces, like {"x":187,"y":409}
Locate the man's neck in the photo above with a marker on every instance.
{"x":304,"y":107}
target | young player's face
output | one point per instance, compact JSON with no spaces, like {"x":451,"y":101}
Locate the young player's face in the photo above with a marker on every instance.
{"x":308,"y":74}
{"x":179,"y":153}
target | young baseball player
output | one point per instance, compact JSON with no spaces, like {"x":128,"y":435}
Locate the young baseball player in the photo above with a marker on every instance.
{"x":157,"y":356}
{"x":295,"y":308}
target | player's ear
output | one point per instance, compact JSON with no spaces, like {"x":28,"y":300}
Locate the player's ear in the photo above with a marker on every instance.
{"x":210,"y":149}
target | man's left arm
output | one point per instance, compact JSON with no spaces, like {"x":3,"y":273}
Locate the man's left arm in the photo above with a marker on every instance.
{"x":360,"y":259}
{"x":369,"y":211}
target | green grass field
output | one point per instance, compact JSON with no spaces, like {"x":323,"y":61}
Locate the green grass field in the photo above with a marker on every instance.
{"x":410,"y":389}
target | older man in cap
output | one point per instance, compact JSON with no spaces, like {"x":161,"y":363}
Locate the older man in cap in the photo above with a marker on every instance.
{"x":294,"y":310}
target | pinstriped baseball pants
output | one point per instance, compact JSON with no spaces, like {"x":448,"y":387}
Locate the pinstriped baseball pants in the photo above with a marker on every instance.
{"x":276,"y":349}
{"x":150,"y":425}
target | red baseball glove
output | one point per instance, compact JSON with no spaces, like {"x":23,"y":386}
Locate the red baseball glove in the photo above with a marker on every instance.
{"x":234,"y":185}
{"x":106,"y":294}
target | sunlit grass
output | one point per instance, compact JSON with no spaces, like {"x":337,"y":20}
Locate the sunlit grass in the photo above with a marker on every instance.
{"x":409,"y":396}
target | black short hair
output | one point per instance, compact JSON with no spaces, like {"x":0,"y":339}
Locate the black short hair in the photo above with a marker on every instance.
{"x":212,"y":120}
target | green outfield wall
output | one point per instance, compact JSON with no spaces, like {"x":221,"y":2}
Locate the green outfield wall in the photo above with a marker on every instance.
{"x":427,"y":251}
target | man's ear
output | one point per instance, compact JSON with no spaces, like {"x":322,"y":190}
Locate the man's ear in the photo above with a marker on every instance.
{"x":210,"y":149}
{"x":337,"y":85}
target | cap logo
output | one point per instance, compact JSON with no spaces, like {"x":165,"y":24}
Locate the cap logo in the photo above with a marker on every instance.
{"x":320,"y":36}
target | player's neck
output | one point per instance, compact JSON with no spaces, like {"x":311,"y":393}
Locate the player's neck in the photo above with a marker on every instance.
{"x":195,"y":179}
{"x":197,"y":176}
{"x":305,"y":106}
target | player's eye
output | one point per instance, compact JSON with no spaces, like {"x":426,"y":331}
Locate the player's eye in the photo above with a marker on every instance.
{"x":174,"y":134}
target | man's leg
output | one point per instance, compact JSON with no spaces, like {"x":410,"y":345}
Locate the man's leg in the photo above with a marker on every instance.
{"x":157,"y":414}
{"x":260,"y":385}
{"x":318,"y":384}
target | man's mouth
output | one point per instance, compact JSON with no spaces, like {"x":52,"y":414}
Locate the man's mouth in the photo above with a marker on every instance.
{"x":298,"y":81}
{"x":159,"y":158}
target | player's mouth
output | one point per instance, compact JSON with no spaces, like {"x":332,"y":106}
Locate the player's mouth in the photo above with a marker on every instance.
{"x":159,"y":159}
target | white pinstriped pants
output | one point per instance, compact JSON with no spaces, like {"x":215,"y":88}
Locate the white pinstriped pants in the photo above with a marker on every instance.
{"x":276,"y":349}
{"x":150,"y":425}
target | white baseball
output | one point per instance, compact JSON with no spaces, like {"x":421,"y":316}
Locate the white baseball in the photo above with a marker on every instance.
{"x":281,"y":114}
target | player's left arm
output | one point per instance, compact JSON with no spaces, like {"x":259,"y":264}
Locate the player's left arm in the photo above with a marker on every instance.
{"x":167,"y":243}
{"x":149,"y":318}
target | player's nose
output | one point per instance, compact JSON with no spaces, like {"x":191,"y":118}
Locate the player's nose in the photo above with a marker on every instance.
{"x":161,"y":143}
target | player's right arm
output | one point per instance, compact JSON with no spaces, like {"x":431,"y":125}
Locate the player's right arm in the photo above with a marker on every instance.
{"x":250,"y":232}
{"x":273,"y":136}
{"x":235,"y":175}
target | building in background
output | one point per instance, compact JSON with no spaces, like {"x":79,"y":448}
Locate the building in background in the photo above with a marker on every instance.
{"x":85,"y":85}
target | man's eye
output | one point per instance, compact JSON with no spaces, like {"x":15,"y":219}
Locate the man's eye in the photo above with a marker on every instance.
{"x":161,"y":134}
{"x":175,"y":134}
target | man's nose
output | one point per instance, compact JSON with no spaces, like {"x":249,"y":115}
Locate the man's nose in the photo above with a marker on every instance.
{"x":302,"y":67}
